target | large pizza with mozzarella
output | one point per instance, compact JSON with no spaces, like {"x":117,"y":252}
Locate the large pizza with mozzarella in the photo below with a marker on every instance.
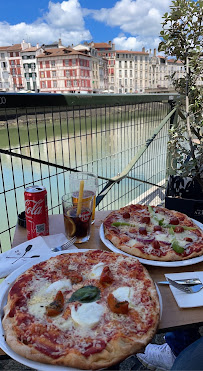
{"x":154,"y":233}
{"x":86,"y":310}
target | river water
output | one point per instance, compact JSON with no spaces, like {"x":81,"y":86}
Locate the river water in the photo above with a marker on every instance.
{"x":101,"y":145}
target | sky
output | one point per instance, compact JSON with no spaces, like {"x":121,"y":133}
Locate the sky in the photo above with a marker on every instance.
{"x":130,"y":24}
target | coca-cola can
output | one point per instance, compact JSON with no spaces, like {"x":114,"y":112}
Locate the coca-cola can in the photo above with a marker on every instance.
{"x":36,"y":211}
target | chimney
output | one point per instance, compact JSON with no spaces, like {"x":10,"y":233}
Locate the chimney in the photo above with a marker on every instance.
{"x":113,"y":46}
{"x":37,"y":45}
{"x":110,"y":42}
{"x":143,"y":50}
{"x":154,"y":52}
{"x":59,"y":43}
{"x":150,"y":51}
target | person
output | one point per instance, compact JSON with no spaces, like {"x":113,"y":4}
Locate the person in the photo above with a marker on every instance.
{"x":164,"y":356}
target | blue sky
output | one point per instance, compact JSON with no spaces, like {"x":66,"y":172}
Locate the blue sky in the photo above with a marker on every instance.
{"x":130,"y":24}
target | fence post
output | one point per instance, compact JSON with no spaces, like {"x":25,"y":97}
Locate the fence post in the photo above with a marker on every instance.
{"x":170,"y":170}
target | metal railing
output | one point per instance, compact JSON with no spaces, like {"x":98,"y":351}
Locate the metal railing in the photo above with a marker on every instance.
{"x":121,"y":138}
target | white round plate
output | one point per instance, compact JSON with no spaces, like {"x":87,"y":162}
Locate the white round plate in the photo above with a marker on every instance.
{"x":156,"y":263}
{"x":4,"y":289}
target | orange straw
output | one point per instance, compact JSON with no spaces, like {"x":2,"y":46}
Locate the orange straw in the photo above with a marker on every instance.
{"x":79,"y":207}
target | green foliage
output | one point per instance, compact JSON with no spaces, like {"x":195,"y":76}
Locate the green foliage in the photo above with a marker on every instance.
{"x":182,"y":38}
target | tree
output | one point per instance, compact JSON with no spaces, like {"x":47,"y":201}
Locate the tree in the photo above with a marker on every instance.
{"x":182,"y":38}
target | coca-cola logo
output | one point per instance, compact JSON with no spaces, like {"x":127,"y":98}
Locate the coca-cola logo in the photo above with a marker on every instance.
{"x":33,"y":207}
{"x":85,"y":216}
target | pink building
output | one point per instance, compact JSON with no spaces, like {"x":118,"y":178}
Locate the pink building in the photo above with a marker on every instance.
{"x":63,"y":70}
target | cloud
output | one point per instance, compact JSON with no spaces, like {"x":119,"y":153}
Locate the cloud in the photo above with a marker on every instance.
{"x":136,"y":43}
{"x":141,"y":19}
{"x":63,"y":20}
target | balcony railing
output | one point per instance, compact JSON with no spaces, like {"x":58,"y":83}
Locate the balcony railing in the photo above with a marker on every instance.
{"x":121,"y":138}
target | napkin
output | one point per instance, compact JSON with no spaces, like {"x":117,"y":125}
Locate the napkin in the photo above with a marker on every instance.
{"x":183,"y":299}
{"x":40,"y":248}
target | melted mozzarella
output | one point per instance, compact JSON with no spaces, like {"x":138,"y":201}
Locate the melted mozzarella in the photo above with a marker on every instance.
{"x":97,"y":270}
{"x":59,"y":285}
{"x":88,"y":314}
{"x":123,"y":293}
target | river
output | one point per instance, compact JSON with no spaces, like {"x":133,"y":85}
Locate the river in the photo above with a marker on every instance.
{"x":100,"y":144}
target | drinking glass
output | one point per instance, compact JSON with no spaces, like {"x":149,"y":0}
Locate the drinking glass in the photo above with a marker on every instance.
{"x":77,"y":217}
{"x":90,"y":187}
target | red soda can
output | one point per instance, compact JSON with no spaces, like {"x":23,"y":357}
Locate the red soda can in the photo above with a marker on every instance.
{"x":36,"y":211}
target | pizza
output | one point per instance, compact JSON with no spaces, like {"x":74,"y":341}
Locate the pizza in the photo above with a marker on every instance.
{"x":154,"y":233}
{"x":86,"y":310}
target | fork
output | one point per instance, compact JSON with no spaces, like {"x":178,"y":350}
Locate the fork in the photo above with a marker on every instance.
{"x":65,"y":246}
{"x":186,"y":288}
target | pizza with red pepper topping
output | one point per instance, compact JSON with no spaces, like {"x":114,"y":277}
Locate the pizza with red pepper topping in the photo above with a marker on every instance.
{"x":86,"y":310}
{"x":154,"y":233}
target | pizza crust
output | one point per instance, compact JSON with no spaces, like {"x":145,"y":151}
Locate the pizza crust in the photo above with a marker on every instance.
{"x":116,"y":238}
{"x":117,"y":349}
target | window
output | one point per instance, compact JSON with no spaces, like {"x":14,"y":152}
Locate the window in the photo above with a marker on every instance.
{"x":118,"y":56}
{"x":131,"y":73}
{"x":54,"y":84}
{"x":120,"y":73}
{"x":120,"y":64}
{"x":53,"y":64}
{"x":53,"y":73}
{"x":47,"y":64}
{"x":33,"y":66}
{"x":26,"y":67}
{"x":11,"y":54}
{"x":135,"y":58}
{"x":126,"y":73}
{"x":131,"y":64}
{"x":43,"y":84}
{"x":12,"y":63}
{"x":13,"y":71}
{"x":34,"y":76}
{"x":112,"y":79}
{"x":17,"y":54}
{"x":66,"y":62}
{"x":42,"y":74}
{"x":140,"y":59}
{"x":75,"y":83}
{"x":67,"y":73}
{"x":2,"y":55}
{"x":126,"y":82}
{"x":125,"y":64}
{"x":81,"y":62}
{"x":27,"y":76}
{"x":68,"y":83}
{"x":74,"y":62}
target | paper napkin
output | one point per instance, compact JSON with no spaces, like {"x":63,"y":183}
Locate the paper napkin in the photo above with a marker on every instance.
{"x":183,"y":299}
{"x":40,"y":248}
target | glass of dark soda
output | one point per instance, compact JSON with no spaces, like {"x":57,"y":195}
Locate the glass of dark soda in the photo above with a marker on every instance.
{"x":77,"y":217}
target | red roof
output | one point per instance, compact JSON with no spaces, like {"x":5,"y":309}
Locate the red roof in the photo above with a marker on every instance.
{"x":32,"y":49}
{"x":102,"y":46}
{"x":131,"y":52}
{"x":60,"y":52}
{"x":15,"y":47}
{"x":4,"y":47}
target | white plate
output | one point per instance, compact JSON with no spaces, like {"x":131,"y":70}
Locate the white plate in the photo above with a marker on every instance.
{"x":157,"y":263}
{"x":4,"y":289}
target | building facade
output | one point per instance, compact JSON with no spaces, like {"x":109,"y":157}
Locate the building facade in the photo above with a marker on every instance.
{"x":89,"y":68}
{"x":63,"y":70}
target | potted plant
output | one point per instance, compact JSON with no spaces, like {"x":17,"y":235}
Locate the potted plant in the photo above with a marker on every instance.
{"x":182,"y":39}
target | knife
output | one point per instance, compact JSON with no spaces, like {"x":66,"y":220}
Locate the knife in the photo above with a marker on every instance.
{"x":187,"y":281}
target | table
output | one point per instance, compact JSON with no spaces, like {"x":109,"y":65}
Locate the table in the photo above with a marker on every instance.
{"x":173,"y":316}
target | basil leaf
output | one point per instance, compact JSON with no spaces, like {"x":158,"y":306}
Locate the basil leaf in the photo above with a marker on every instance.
{"x":161,"y":222}
{"x":176,"y":247}
{"x":150,"y":209}
{"x":179,"y":225}
{"x":171,"y":231}
{"x":118,"y":224}
{"x":86,"y":294}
